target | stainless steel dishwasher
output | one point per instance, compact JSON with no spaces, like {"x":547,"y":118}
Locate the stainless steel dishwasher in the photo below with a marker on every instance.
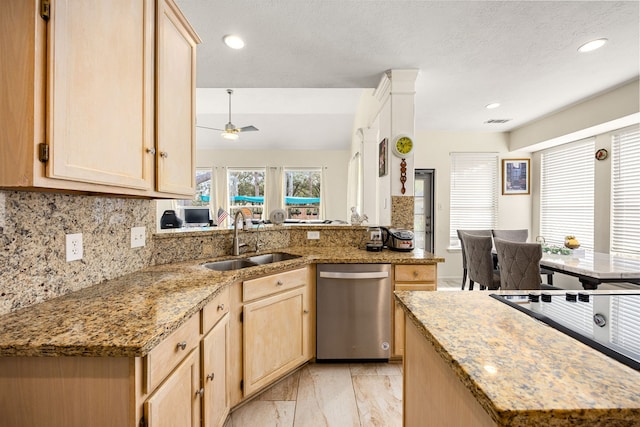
{"x":353,"y":308}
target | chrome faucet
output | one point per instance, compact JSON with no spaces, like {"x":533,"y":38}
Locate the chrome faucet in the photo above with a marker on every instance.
{"x":236,"y":243}
{"x":258,"y":244}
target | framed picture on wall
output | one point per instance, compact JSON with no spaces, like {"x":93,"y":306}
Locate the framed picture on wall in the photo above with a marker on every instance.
{"x":382,"y":157}
{"x":516,"y":176}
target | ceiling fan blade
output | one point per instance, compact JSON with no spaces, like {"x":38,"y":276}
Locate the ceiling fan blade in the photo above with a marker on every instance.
{"x":207,"y":127}
{"x":247,"y":129}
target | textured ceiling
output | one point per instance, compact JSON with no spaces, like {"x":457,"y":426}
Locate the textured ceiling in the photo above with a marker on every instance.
{"x":519,"y":53}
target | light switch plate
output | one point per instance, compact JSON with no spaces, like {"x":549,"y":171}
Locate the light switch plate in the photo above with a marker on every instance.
{"x":138,"y":237}
{"x":313,"y":235}
{"x":74,"y":246}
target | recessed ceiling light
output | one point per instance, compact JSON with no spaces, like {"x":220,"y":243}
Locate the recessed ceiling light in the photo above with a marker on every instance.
{"x":492,"y":105}
{"x":233,"y":41}
{"x":592,"y":45}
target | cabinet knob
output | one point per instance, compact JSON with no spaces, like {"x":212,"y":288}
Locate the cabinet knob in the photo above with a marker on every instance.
{"x":200,"y":392}
{"x":220,"y":307}
{"x":164,"y":154}
{"x":210,"y":376}
{"x":182,"y":345}
{"x":279,"y":283}
{"x":151,"y":150}
{"x":305,"y":311}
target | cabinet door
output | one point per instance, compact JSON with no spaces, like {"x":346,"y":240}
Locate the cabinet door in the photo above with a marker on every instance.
{"x":275,"y":331}
{"x":175,"y":103}
{"x":100,"y":92}
{"x":176,"y":403}
{"x":215,"y":345}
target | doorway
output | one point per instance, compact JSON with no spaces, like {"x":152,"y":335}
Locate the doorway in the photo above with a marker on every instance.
{"x":423,"y":209}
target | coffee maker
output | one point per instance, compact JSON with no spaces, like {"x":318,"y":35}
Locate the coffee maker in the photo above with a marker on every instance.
{"x":375,"y":242}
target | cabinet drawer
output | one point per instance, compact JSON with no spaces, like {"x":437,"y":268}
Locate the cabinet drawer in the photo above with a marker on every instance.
{"x":165,"y":356}
{"x":214,"y":310}
{"x":258,"y":288}
{"x":415,"y":273}
{"x":413,"y":286}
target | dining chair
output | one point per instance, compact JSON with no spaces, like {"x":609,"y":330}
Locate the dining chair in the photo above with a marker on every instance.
{"x":519,"y":264}
{"x":511,"y":235}
{"x":521,"y":235}
{"x":462,"y":248}
{"x":480,"y":261}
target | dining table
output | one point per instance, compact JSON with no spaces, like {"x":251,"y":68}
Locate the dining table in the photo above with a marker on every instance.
{"x":593,"y":268}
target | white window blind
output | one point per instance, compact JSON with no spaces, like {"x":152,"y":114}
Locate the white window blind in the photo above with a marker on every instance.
{"x":625,"y":324}
{"x":474,"y":193}
{"x":625,"y":193}
{"x":567,"y":193}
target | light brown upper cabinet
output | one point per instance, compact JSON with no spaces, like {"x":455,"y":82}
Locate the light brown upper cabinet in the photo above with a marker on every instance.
{"x":85,"y":86}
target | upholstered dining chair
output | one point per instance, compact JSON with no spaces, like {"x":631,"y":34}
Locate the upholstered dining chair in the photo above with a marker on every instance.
{"x":511,"y":235}
{"x":464,"y":257}
{"x":519,"y":264}
{"x":521,"y":236}
{"x":480,"y":261}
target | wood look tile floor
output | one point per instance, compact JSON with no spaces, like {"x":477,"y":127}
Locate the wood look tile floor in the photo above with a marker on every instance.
{"x":331,"y":395}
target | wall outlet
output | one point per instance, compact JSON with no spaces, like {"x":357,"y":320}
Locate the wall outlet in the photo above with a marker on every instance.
{"x":313,"y":235}
{"x":74,"y":247}
{"x":138,"y":237}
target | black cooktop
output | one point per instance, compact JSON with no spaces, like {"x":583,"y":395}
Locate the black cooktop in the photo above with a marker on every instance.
{"x":608,"y":323}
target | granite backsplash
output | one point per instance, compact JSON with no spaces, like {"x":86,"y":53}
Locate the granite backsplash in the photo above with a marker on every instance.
{"x":33,"y":226}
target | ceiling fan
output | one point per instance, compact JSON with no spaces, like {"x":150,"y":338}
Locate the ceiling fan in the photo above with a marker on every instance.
{"x":230,"y":131}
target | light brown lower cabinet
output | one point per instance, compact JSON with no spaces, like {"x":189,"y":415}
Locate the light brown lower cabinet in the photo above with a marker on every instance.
{"x":215,"y":362}
{"x":409,"y":278}
{"x":432,"y":395}
{"x":177,"y":401}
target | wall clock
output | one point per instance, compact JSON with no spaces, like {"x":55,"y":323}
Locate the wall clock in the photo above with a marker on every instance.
{"x":602,"y":154}
{"x":403,"y":146}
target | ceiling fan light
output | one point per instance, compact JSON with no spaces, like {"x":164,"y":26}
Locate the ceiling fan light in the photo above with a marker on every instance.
{"x":592,"y":45}
{"x":233,"y":41}
{"x":229,"y":135}
{"x":492,"y":105}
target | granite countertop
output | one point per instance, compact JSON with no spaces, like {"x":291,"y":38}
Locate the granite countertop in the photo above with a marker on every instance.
{"x":521,"y":371}
{"x":130,"y":315}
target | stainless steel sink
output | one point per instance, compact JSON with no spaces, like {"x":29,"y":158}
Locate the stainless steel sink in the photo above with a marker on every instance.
{"x":237,"y":264}
{"x":230,"y":264}
{"x":273,"y":257}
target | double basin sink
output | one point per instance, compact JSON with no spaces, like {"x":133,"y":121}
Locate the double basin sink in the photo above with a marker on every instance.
{"x":252,"y":261}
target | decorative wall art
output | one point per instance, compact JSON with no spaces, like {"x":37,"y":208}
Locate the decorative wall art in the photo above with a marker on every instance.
{"x":516,"y":177}
{"x":382,"y":157}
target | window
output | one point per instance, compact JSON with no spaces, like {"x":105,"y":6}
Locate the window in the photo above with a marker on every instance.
{"x":246,"y":191}
{"x":625,"y":193}
{"x":302,"y":193}
{"x":203,"y":189}
{"x":567,"y":193}
{"x":474,"y":193}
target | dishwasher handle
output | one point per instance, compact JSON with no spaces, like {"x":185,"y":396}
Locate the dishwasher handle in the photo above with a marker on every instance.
{"x":355,"y":276}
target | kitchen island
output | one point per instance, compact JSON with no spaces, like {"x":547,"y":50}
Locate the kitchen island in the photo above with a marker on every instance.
{"x":472,"y":360}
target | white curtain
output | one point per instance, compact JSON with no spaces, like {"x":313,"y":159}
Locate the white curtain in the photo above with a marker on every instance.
{"x":323,"y":199}
{"x":274,"y":190}
{"x":220,"y":192}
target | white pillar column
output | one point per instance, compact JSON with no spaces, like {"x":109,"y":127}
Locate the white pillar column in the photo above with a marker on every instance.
{"x":370,"y":194}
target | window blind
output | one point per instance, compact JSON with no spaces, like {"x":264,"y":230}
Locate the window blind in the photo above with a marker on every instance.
{"x":567,"y":193}
{"x":625,"y":323}
{"x":625,"y":193}
{"x":473,"y":194}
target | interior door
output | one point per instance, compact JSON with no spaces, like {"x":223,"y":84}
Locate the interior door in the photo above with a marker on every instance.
{"x":423,"y":212}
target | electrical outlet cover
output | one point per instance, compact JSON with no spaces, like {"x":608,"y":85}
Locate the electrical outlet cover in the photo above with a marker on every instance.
{"x":138,"y":237}
{"x":74,"y":247}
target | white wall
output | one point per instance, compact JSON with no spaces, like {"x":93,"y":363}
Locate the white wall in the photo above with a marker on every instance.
{"x":335,"y":162}
{"x":432,"y":152}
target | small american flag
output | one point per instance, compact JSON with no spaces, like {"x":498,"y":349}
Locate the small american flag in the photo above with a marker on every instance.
{"x":222,"y":214}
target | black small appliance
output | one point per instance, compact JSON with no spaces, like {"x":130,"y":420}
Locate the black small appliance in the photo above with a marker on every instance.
{"x":169,"y":219}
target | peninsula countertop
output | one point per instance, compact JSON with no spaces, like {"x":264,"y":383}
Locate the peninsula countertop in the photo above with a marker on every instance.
{"x":522,"y":372}
{"x":130,"y":315}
